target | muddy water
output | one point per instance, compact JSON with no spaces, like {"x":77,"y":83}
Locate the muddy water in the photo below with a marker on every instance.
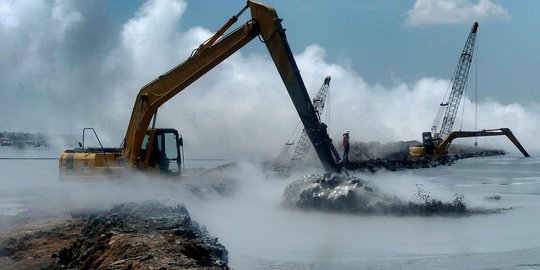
{"x":261,"y":233}
{"x":24,"y":173}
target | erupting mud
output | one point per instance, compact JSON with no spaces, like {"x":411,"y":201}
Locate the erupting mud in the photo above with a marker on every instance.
{"x":350,"y":194}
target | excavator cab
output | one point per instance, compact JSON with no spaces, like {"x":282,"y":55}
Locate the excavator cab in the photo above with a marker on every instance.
{"x":428,"y":142}
{"x":160,"y":151}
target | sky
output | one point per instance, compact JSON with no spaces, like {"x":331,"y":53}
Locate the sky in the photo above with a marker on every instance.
{"x":66,"y":65}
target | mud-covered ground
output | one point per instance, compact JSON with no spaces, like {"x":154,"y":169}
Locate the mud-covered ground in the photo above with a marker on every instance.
{"x":374,"y":156}
{"x":34,"y":244}
{"x":354,"y":195}
{"x":148,"y":235}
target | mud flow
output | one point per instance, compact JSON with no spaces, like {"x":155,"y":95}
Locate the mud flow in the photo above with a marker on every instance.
{"x":351,"y":194}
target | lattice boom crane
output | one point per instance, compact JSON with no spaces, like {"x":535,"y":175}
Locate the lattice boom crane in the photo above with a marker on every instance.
{"x":450,"y":107}
{"x":283,"y":164}
{"x":437,"y":143}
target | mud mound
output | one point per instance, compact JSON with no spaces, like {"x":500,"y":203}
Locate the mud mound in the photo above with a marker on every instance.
{"x":400,"y":150}
{"x":349,"y":194}
{"x":373,"y":156}
{"x":143,"y":236}
{"x":376,"y":150}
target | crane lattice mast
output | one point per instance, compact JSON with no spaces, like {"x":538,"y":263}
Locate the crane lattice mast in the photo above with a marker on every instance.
{"x":459,"y":79}
{"x":303,"y":145}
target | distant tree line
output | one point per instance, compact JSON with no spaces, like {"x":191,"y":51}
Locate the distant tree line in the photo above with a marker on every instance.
{"x":22,"y":139}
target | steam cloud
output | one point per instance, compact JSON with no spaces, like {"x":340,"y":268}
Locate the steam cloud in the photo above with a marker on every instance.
{"x":430,"y":12}
{"x":65,"y":65}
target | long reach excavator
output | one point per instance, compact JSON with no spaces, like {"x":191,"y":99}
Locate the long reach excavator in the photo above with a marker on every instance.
{"x":437,"y":142}
{"x":157,"y":150}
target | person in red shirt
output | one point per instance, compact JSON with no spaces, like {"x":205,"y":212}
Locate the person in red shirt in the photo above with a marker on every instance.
{"x":346,"y":146}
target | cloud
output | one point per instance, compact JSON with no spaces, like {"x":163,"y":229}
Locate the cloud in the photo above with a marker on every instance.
{"x":433,"y":12}
{"x":65,"y":16}
{"x":51,"y":63}
{"x":240,"y":110}
{"x":153,"y":27}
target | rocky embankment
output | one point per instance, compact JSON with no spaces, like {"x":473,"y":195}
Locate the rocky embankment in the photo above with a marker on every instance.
{"x":374,"y":156}
{"x":128,"y":236}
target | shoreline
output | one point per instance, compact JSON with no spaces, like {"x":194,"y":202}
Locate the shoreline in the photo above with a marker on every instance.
{"x":37,"y":240}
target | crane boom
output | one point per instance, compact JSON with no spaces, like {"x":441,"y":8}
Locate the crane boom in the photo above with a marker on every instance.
{"x":437,"y":143}
{"x":266,"y":24}
{"x":459,"y":82}
{"x":320,"y":99}
{"x":302,"y":146}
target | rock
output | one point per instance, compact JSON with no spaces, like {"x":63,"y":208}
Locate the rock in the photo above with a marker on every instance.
{"x":373,"y":156}
{"x":143,"y":236}
{"x":353,"y":195}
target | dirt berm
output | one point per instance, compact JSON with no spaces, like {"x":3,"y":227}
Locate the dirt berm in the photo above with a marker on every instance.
{"x":373,"y":156}
{"x":145,"y":235}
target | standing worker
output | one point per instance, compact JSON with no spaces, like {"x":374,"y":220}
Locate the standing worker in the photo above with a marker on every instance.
{"x":346,"y":146}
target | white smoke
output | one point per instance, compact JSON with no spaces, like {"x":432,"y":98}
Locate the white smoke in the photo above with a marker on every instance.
{"x":82,"y":71}
{"x":432,"y":12}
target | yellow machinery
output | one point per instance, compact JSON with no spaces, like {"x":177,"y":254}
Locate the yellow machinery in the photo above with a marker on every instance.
{"x":437,"y":146}
{"x":437,"y":141}
{"x":158,"y":150}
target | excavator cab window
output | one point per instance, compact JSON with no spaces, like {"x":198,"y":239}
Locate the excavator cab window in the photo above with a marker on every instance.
{"x":427,"y":139}
{"x":165,"y":152}
{"x":144,"y":146}
{"x":170,"y":148}
{"x":429,"y":142}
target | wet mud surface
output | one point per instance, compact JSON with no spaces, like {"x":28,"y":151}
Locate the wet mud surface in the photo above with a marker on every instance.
{"x":352,"y":195}
{"x":34,"y":244}
{"x":145,"y":235}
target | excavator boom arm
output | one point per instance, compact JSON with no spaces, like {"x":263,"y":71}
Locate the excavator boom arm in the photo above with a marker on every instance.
{"x":159,"y":91}
{"x":274,"y":37}
{"x":265,"y":23}
{"x":482,"y":133}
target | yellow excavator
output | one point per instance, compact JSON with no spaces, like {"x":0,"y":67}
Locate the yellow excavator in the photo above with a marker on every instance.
{"x":438,"y":146}
{"x":437,"y":141}
{"x":157,"y":150}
